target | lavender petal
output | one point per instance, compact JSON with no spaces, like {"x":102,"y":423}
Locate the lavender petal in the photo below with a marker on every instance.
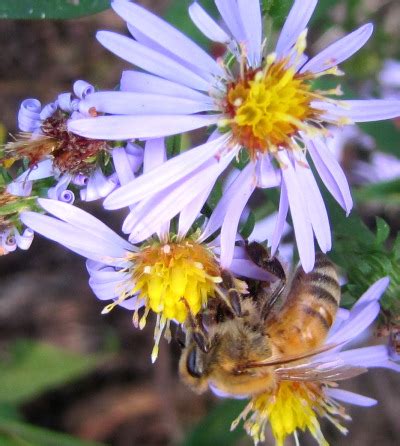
{"x":339,"y":51}
{"x":331,"y":173}
{"x":132,"y":127}
{"x":136,"y":81}
{"x":207,"y":25}
{"x":295,"y":24}
{"x":150,"y":60}
{"x":163,"y":176}
{"x":127,"y":103}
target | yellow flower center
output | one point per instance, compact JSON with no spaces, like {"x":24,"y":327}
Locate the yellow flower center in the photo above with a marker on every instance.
{"x":294,"y":406}
{"x":266,"y":107}
{"x":172,"y":279}
{"x":269,"y":107}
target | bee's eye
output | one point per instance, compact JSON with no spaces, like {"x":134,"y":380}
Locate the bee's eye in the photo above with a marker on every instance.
{"x":191,"y":364}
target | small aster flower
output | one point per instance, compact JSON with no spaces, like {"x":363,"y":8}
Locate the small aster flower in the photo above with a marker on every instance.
{"x":170,"y":273}
{"x":389,"y":78}
{"x":263,"y":104}
{"x":361,"y":160}
{"x":53,"y":151}
{"x":297,"y":405}
{"x":12,"y":234}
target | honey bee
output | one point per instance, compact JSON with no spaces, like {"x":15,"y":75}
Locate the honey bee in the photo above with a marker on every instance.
{"x":248,"y":347}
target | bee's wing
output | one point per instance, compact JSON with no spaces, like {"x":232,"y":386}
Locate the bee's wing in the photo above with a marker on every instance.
{"x":333,"y":371}
{"x":286,"y":359}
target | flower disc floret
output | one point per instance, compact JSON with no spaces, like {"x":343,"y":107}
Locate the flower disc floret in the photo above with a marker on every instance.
{"x":268,"y":107}
{"x":294,"y":406}
{"x":175,"y":278}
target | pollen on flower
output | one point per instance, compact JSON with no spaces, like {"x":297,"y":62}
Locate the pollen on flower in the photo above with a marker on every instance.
{"x":171,"y":279}
{"x":293,"y":407}
{"x":71,"y":153}
{"x":267,"y":107}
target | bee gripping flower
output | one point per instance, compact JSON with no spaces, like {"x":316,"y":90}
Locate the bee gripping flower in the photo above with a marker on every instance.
{"x":265,"y":105}
{"x":297,"y":405}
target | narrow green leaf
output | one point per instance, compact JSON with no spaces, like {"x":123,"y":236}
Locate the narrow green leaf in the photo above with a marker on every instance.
{"x":214,"y":429}
{"x":177,"y":15}
{"x":382,"y":231}
{"x":16,"y":433}
{"x":36,"y":367}
{"x":50,"y":9}
{"x":248,"y":226}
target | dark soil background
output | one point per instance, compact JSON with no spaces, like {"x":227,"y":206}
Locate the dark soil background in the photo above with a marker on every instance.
{"x":44,"y":293}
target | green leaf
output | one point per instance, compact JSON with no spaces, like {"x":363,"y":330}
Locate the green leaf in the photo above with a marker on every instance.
{"x":382,"y":231}
{"x":50,"y":9}
{"x":177,"y":15}
{"x":248,"y":226}
{"x":215,"y":427}
{"x":385,"y":134}
{"x":36,"y":367}
{"x":387,"y":192}
{"x":16,"y":433}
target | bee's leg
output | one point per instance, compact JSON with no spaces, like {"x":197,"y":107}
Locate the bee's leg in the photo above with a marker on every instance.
{"x":198,"y":331}
{"x":180,"y":337}
{"x":261,"y":257}
{"x":231,"y":294}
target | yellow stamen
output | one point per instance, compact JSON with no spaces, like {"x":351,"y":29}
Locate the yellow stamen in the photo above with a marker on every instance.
{"x":293,"y":407}
{"x":266,"y":107}
{"x":170,"y":278}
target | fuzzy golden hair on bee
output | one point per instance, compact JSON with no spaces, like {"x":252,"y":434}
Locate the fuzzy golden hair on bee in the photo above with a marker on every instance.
{"x":248,"y":350}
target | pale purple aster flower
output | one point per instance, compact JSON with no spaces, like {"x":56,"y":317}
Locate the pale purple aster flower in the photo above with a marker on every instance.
{"x":54,"y":152}
{"x":296,"y":405}
{"x":389,"y":79}
{"x":264,"y":104}
{"x":360,"y":158}
{"x":168,"y":274}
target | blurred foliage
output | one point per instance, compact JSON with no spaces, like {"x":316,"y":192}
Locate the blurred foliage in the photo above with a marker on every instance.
{"x":30,"y":369}
{"x":50,"y":9}
{"x":386,"y":193}
{"x":364,"y":256}
{"x":33,"y":368}
{"x":215,"y":427}
{"x":17,"y":433}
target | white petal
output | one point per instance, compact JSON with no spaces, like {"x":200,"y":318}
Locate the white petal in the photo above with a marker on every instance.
{"x":166,"y":35}
{"x":231,"y":220}
{"x":77,"y":240}
{"x":295,"y":24}
{"x":230,"y":14}
{"x":128,"y":103}
{"x":298,"y":210}
{"x":150,"y":60}
{"x":190,"y":212}
{"x":148,"y":217}
{"x":165,"y":175}
{"x":339,"y":51}
{"x":315,"y":205}
{"x":350,"y":397}
{"x":250,"y":13}
{"x":207,"y":25}
{"x":83,"y":221}
{"x":140,"y":127}
{"x":136,"y":81}
{"x":218,"y":215}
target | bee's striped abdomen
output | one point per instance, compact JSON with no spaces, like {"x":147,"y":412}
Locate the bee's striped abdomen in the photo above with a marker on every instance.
{"x":310,"y":309}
